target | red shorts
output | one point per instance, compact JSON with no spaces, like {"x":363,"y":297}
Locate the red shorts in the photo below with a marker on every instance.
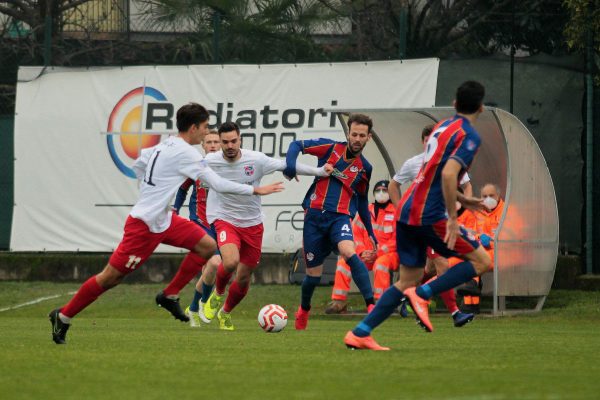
{"x":247,"y":240}
{"x":138,"y":242}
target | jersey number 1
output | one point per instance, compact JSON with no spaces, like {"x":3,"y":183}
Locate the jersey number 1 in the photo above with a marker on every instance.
{"x":149,"y":181}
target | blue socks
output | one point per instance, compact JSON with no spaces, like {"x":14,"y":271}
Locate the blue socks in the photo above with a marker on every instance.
{"x":389,"y":301}
{"x":360,"y":274}
{"x":206,"y":291}
{"x":194,"y":306}
{"x":308,"y":288}
{"x":460,"y":273}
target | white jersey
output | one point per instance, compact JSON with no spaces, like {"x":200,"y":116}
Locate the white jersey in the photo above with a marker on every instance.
{"x":244,"y":211}
{"x":162,"y":169}
{"x":409,"y":170}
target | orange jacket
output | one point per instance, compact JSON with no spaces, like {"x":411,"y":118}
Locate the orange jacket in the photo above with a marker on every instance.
{"x":487,"y":221}
{"x":384,"y":227}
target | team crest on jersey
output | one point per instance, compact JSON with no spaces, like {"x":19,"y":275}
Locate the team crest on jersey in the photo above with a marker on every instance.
{"x":249,"y":170}
{"x":336,"y":172}
{"x":471,"y":145}
{"x":354,"y":168}
{"x":313,"y":196}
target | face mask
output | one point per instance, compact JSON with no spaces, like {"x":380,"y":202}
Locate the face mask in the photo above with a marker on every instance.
{"x":490,"y":203}
{"x":382,"y":197}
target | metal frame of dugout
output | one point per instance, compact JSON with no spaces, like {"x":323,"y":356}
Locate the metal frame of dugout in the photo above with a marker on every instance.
{"x":526,"y":241}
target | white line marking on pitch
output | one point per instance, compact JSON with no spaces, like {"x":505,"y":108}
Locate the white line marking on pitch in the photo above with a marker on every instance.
{"x":35,"y":301}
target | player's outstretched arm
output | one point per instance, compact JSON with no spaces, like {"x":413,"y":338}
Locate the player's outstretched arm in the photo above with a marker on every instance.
{"x":293,"y":151}
{"x":268,"y":189}
{"x":221,"y":185}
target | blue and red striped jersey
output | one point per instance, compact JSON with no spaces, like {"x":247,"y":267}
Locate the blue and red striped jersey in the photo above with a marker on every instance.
{"x":197,"y":200}
{"x":423,"y":202}
{"x":350,"y":179}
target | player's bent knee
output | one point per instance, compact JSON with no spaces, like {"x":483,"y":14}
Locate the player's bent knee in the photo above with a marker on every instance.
{"x":206,"y":247}
{"x":109,"y":277}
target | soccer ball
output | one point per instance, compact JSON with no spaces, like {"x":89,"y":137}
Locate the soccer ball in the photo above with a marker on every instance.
{"x":272,"y":318}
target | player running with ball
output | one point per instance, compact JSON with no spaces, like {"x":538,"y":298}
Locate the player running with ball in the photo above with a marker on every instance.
{"x":238,"y":219}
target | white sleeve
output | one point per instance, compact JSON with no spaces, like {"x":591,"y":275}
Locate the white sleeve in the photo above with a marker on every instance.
{"x":221,"y":185}
{"x":404,"y":175}
{"x":301,"y":169}
{"x":466,"y":178}
{"x":140,"y":164}
{"x":270,"y":164}
{"x":195,"y":167}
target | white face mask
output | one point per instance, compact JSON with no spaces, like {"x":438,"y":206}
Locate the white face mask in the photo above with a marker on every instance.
{"x":490,"y":203}
{"x":382,"y":197}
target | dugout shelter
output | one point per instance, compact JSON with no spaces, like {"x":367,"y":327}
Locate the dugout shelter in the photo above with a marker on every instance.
{"x":526,"y":242}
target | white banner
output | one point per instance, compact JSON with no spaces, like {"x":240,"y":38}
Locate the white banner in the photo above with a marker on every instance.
{"x":73,"y":183}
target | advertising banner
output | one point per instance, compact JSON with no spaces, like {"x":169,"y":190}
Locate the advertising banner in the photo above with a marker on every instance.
{"x":78,"y":131}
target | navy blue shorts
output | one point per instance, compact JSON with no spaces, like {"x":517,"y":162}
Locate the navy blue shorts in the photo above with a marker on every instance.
{"x":323,"y":230}
{"x":412,"y":242}
{"x":210,"y":231}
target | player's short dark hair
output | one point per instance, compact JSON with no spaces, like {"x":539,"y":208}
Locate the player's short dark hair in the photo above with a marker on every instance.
{"x":426,"y":131}
{"x":190,"y":114}
{"x":469,"y":97}
{"x":361,"y":119}
{"x":228,"y":127}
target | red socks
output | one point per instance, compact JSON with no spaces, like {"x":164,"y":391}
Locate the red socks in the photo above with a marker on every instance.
{"x":223,"y":278}
{"x":449,"y":298}
{"x":236,"y":294}
{"x":86,"y":295}
{"x":190,"y":266}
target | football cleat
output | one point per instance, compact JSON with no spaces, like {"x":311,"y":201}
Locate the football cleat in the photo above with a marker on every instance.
{"x":171,"y":305}
{"x":194,"y":318}
{"x":461,"y":318}
{"x":225,"y":321}
{"x":301,"y":319}
{"x":213,"y":305}
{"x":336,"y":307}
{"x":201,"y":313}
{"x":59,"y":328}
{"x":402,"y":309}
{"x":420,"y":308}
{"x":362,"y":343}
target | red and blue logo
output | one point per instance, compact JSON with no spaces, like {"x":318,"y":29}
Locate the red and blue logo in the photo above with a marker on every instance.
{"x":125,"y":137}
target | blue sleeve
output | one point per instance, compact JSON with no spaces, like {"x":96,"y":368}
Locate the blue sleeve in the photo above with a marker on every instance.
{"x":179,"y":199}
{"x":365,"y":215}
{"x":467,"y":149}
{"x":290,"y":158}
{"x":317,"y":147}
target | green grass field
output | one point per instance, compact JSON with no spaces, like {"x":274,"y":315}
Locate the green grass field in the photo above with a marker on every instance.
{"x":124,"y":347}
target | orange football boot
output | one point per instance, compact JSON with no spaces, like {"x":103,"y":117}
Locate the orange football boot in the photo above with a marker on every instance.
{"x":362,"y":343}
